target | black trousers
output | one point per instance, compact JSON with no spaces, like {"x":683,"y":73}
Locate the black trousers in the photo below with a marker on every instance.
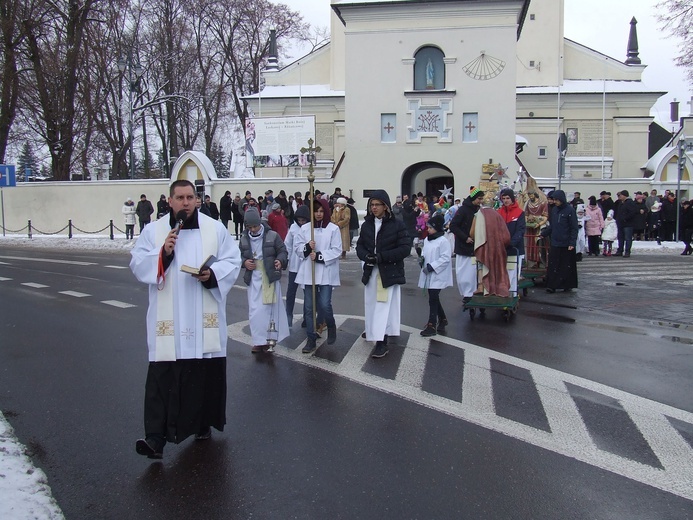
{"x":435,"y":309}
{"x":593,"y":244}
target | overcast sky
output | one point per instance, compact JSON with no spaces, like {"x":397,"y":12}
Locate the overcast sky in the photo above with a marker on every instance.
{"x":602,"y":25}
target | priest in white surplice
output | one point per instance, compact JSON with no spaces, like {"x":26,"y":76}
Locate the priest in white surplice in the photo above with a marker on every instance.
{"x":383,"y":245}
{"x":185,"y":391}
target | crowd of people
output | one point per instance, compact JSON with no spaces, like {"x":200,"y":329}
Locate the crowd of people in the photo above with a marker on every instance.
{"x":491,"y":238}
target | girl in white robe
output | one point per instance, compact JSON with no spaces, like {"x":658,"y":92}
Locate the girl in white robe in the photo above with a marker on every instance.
{"x":436,"y":273}
{"x":325,"y":255}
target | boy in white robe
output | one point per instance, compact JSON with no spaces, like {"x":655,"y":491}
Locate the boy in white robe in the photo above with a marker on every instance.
{"x":264,"y":256}
{"x":185,"y":391}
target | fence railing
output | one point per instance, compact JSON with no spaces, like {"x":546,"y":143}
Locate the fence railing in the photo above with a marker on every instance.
{"x":30,"y":230}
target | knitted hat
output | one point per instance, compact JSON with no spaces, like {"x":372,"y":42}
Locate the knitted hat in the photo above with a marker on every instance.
{"x":341,"y":200}
{"x":476,"y":193}
{"x":509,"y":193}
{"x":302,"y":212}
{"x":251,"y":217}
{"x":275,"y":206}
{"x":437,"y":222}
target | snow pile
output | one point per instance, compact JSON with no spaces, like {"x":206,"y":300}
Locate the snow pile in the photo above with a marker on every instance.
{"x":119,"y":243}
{"x":24,"y":491}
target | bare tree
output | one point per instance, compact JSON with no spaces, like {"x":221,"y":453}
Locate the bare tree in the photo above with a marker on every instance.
{"x":10,"y":40}
{"x":241,"y":29}
{"x":54,"y":45}
{"x":676,"y":16}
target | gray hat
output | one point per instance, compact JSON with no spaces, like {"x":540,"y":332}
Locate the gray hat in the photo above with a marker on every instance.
{"x":275,"y":206}
{"x":251,"y":217}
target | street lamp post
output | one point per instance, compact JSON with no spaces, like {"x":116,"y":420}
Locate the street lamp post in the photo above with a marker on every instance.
{"x":134,"y":71}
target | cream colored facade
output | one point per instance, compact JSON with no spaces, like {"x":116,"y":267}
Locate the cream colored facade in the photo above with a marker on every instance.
{"x":547,"y":85}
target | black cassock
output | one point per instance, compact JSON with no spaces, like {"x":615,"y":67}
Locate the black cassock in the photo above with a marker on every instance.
{"x":185,"y":397}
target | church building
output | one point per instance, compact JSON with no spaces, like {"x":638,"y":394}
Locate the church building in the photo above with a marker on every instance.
{"x":413,"y":96}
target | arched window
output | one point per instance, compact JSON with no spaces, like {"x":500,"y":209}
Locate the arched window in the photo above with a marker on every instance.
{"x":429,"y":69}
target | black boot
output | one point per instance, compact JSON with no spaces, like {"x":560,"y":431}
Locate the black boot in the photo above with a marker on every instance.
{"x":331,"y":335}
{"x":429,"y":330}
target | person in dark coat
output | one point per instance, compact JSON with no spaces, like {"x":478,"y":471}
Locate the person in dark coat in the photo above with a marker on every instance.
{"x":563,"y":230}
{"x":237,"y":212}
{"x":162,"y":207}
{"x":144,"y":211}
{"x":460,"y":226}
{"x":211,"y":207}
{"x":383,"y":245}
{"x":626,"y":213}
{"x":687,"y":226}
{"x":409,"y":219}
{"x":668,"y":217}
{"x":640,"y":220}
{"x":606,"y":203}
{"x":225,"y":209}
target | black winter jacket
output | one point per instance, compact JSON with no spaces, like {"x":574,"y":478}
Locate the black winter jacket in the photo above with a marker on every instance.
{"x":626,"y":213}
{"x":390,"y":247}
{"x":461,"y":225}
{"x":563,"y":226}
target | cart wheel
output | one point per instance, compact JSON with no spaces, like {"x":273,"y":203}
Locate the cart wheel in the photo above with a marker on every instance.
{"x":472,"y":312}
{"x":506,"y":315}
{"x":524,"y":292}
{"x":482,"y":312}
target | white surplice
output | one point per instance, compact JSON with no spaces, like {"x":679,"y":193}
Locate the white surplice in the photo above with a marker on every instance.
{"x":188,"y":316}
{"x":259,"y":313}
{"x":382,"y":317}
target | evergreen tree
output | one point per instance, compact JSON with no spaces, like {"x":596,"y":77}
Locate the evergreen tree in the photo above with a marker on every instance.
{"x":27,"y":159}
{"x":218,"y":158}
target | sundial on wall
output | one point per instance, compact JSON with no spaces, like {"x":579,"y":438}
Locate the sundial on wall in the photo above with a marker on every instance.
{"x":484,"y":67}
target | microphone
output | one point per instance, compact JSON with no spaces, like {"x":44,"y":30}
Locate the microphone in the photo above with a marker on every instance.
{"x":180,"y":219}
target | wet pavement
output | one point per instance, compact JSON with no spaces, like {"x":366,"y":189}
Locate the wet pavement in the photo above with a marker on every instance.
{"x":577,"y":400}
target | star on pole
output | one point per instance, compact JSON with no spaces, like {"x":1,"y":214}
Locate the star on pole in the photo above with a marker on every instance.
{"x":445,"y":192}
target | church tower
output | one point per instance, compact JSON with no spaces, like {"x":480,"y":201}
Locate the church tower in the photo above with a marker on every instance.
{"x":541,"y":45}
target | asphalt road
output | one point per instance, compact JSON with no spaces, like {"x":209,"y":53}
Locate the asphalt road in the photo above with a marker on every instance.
{"x":579,"y":407}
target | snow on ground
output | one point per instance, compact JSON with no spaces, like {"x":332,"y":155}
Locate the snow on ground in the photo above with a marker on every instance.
{"x":24,"y":490}
{"x":119,"y":243}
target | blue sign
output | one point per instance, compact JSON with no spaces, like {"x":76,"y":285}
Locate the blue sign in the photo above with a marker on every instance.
{"x":7,"y":175}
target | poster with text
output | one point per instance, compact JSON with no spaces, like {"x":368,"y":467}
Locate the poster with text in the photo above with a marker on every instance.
{"x":273,"y":142}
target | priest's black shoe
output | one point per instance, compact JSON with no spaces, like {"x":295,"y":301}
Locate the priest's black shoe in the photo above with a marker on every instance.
{"x":441,"y":325}
{"x":149,"y":448}
{"x":331,"y":335}
{"x":204,"y":434}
